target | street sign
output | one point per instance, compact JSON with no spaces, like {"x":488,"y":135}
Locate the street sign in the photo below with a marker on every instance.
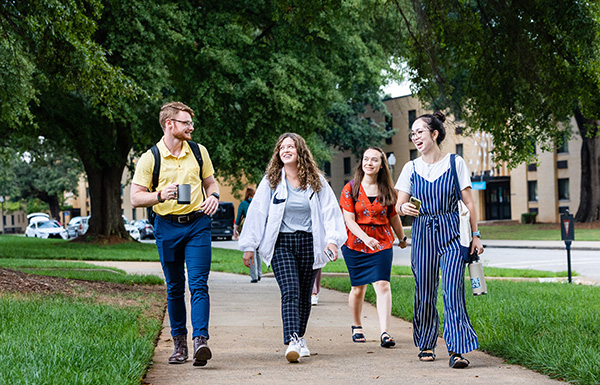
{"x":567,"y":226}
{"x":567,"y":233}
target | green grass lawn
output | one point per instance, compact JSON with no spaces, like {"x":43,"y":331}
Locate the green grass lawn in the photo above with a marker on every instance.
{"x":536,"y":232}
{"x":34,"y":248}
{"x":65,"y":340}
{"x":78,"y":270}
{"x":549,"y":327}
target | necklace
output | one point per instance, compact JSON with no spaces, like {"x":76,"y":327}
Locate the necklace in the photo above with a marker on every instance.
{"x":430,"y":165}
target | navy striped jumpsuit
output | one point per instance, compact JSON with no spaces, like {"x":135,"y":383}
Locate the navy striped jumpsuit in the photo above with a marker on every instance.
{"x":435,"y":245}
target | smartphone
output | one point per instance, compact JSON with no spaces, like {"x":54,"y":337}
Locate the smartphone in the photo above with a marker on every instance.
{"x":329,"y":254}
{"x":416,"y":202}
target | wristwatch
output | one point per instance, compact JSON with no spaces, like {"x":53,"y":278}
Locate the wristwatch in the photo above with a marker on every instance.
{"x":403,"y":239}
{"x":158,"y":197}
{"x":216,"y":195}
{"x":477,"y":233}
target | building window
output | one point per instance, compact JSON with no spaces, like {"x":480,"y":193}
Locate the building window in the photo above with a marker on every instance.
{"x":459,"y":150}
{"x":414,"y":154}
{"x":534,"y":210}
{"x":562,"y":164}
{"x":389,"y":127}
{"x":532,"y":167}
{"x":564,"y":146}
{"x":412,"y":115}
{"x":563,"y":189}
{"x":87,"y":192}
{"x":532,"y":192}
{"x":533,"y":149}
{"x":459,"y":130}
{"x":347,"y":166}
{"x":327,"y":168}
{"x":133,"y":215}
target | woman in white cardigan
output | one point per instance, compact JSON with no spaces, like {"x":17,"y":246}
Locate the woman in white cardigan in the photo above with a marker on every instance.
{"x":294,"y":221}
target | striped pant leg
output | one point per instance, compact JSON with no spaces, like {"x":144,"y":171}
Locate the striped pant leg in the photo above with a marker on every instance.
{"x":459,"y":335}
{"x":425,"y":263}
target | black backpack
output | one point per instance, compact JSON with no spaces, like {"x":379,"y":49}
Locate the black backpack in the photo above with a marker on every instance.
{"x":156,"y":171}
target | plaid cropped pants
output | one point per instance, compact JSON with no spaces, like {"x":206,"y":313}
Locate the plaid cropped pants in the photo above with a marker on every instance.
{"x":292,"y":264}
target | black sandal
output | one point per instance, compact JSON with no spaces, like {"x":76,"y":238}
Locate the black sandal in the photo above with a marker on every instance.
{"x":427,"y":355}
{"x":358,"y":337}
{"x":457,"y":361}
{"x":387,"y":341}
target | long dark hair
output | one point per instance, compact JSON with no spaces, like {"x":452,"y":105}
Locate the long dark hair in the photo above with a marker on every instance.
{"x":387,"y":195}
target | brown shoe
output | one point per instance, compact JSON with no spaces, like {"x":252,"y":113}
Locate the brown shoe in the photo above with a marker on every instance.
{"x":180,"y":353}
{"x":202,"y":352}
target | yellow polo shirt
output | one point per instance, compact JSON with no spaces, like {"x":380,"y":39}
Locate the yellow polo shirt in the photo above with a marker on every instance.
{"x":182,"y":169}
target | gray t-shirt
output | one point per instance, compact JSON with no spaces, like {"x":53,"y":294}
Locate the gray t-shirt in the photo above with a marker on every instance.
{"x":296,"y":216}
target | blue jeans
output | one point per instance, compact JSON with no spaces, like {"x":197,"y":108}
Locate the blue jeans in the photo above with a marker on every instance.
{"x":181,"y":245}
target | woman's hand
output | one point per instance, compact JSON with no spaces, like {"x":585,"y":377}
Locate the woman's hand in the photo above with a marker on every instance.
{"x":333,"y":248}
{"x":236,"y":234}
{"x":371,"y":243}
{"x":408,"y":208}
{"x":248,"y":258}
{"x":476,"y":245}
{"x":403,"y":244}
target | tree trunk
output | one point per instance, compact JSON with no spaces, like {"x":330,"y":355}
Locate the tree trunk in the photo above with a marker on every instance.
{"x":589,"y":202}
{"x":54,"y":207}
{"x":105,"y":201}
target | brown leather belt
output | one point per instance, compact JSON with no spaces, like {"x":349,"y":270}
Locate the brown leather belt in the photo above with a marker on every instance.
{"x":185,"y":218}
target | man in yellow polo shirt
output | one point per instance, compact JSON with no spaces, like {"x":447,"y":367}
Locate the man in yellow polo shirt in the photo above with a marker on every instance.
{"x":182,"y":231}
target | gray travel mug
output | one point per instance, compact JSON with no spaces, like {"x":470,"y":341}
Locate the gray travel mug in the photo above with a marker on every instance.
{"x":184,"y":194}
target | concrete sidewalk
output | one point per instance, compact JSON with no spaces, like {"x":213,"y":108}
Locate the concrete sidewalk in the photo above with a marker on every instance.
{"x":246,"y":341}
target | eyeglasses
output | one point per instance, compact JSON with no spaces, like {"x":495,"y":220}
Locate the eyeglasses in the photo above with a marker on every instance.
{"x":417,"y":133}
{"x":187,"y":123}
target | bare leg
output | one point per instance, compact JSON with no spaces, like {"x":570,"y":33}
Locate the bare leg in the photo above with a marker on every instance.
{"x":384,"y":304}
{"x":355,"y":300}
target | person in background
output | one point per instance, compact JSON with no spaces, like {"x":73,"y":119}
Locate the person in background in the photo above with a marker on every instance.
{"x":314,"y":300}
{"x":368,"y":206}
{"x":436,"y":241}
{"x":295,"y":223}
{"x":256,"y":267}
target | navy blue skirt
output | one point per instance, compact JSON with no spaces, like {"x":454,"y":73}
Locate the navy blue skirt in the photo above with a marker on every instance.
{"x":365,"y":268}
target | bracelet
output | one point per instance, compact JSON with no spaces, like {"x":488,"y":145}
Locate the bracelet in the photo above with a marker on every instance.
{"x":402,"y":211}
{"x":403,"y":239}
{"x":158,"y":197}
{"x":477,"y":233}
{"x":216,"y":195}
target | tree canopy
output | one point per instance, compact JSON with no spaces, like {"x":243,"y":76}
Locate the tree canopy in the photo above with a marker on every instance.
{"x":94,"y":74}
{"x":517,"y":70}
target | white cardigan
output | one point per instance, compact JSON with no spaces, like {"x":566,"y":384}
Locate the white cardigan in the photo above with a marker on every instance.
{"x":265,"y":214}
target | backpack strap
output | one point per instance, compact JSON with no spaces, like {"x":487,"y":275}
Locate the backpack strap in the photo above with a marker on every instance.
{"x":198,"y":154}
{"x":156,"y":170}
{"x":455,"y":176}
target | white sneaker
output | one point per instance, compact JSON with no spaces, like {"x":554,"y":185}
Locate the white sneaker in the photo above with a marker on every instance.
{"x":314,"y":300}
{"x":293,"y":351}
{"x":304,"y":352}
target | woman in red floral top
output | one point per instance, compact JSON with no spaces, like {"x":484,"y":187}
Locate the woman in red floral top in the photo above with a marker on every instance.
{"x":367,"y":203}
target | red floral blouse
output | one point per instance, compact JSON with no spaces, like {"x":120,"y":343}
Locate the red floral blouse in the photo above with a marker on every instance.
{"x":373,"y":219}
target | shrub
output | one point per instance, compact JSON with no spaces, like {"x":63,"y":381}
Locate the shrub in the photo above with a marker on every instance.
{"x":528,"y":218}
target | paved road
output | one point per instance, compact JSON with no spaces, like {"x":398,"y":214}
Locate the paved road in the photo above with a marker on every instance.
{"x":550,"y":256}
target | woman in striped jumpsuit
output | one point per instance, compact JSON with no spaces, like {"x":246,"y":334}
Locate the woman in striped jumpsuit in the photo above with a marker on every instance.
{"x":435,"y":241}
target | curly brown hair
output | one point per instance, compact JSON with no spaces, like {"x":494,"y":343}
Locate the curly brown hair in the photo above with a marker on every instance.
{"x":308,"y":172}
{"x":387,"y":194}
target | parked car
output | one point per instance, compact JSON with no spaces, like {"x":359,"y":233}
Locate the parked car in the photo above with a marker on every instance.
{"x":37,"y":217}
{"x":222,"y":221}
{"x":73,"y":227}
{"x":45,"y":229}
{"x":131,"y":229}
{"x":83,"y":225}
{"x":145,"y":228}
